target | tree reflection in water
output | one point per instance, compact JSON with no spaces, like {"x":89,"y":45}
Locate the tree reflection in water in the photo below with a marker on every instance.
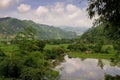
{"x":109,"y":77}
{"x":100,"y":63}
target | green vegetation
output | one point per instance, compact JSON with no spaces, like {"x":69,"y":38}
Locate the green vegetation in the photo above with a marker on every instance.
{"x":9,"y":27}
{"x":109,"y":16}
{"x":26,"y":59}
{"x":31,"y":50}
{"x":109,"y":77}
{"x":94,"y":55}
{"x":49,"y":46}
{"x":77,"y":53}
{"x":96,"y":35}
{"x":107,"y":12}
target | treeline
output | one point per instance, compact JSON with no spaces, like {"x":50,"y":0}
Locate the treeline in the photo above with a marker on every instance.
{"x":60,"y":41}
{"x":92,"y":48}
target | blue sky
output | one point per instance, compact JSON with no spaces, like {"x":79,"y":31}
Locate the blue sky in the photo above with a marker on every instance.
{"x":36,"y":3}
{"x":51,"y":12}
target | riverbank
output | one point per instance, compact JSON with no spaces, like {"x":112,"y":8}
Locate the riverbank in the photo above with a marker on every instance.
{"x":77,"y":54}
{"x":74,"y":54}
{"x":93,"y":55}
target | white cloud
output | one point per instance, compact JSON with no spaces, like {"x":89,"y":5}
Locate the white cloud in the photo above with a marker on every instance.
{"x":41,"y":10}
{"x":6,"y":3}
{"x":63,"y":15}
{"x":58,"y":14}
{"x":72,"y":8}
{"x":24,"y":8}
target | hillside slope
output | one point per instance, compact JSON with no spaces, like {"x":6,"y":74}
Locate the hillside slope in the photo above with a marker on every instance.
{"x":95,"y":35}
{"x":10,"y":26}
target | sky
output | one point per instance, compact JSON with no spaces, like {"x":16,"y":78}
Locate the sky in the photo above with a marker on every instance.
{"x":51,"y":12}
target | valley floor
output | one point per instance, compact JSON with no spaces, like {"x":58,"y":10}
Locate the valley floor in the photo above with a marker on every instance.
{"x":93,"y":55}
{"x":77,"y":54}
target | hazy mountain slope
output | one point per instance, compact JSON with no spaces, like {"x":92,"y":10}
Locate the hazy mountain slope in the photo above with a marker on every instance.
{"x":10,"y":26}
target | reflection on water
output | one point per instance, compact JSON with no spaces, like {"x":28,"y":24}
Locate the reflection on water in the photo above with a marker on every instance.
{"x":100,"y":63}
{"x":88,"y":69}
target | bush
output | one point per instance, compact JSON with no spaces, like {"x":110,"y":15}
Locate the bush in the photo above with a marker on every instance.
{"x":10,"y":68}
{"x":77,"y":47}
{"x":2,"y":55}
{"x":54,"y":53}
{"x":107,"y":49}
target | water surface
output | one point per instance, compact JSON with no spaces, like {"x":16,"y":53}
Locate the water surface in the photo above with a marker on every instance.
{"x":86,"y":69}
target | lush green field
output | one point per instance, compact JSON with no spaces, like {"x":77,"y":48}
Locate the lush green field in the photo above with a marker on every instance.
{"x":10,"y":48}
{"x":81,"y":55}
{"x":92,"y":55}
{"x":48,"y":46}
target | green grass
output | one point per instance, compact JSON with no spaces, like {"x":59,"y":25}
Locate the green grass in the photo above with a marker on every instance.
{"x":10,"y":48}
{"x":92,"y":55}
{"x":48,"y":46}
{"x":78,"y":54}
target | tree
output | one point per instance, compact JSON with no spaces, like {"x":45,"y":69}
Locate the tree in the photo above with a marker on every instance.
{"x":109,"y":14}
{"x":40,"y":44}
{"x":10,"y":68}
{"x":2,"y":55}
{"x":107,"y":10}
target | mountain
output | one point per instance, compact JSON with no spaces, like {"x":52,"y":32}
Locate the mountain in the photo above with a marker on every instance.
{"x":96,"y":34}
{"x":77,"y":30}
{"x":10,"y":26}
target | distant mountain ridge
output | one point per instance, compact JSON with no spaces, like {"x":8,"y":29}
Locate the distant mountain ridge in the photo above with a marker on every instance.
{"x":10,"y":26}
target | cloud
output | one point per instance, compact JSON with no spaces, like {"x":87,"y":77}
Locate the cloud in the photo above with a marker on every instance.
{"x":76,"y":69}
{"x":59,"y":14}
{"x":41,"y":10}
{"x":6,"y":3}
{"x":24,"y":8}
{"x":63,"y":15}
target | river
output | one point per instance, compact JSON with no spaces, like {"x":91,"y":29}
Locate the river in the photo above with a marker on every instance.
{"x":86,"y":69}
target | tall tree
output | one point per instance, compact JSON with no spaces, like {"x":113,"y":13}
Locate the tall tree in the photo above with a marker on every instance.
{"x":108,"y":12}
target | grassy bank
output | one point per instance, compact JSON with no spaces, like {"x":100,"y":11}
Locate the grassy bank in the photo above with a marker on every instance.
{"x":94,"y":55}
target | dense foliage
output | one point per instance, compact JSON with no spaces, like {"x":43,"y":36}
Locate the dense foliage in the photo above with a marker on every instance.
{"x":92,"y":48}
{"x":109,"y":15}
{"x":107,"y":10}
{"x":96,"y":35}
{"x":29,"y":61}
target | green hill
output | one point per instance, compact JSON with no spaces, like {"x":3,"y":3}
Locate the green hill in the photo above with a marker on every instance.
{"x":96,"y":35}
{"x":10,"y":26}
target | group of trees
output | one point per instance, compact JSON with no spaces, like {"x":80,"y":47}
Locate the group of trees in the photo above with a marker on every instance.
{"x":60,"y":41}
{"x":108,"y":12}
{"x":92,"y":48}
{"x":29,"y":61}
